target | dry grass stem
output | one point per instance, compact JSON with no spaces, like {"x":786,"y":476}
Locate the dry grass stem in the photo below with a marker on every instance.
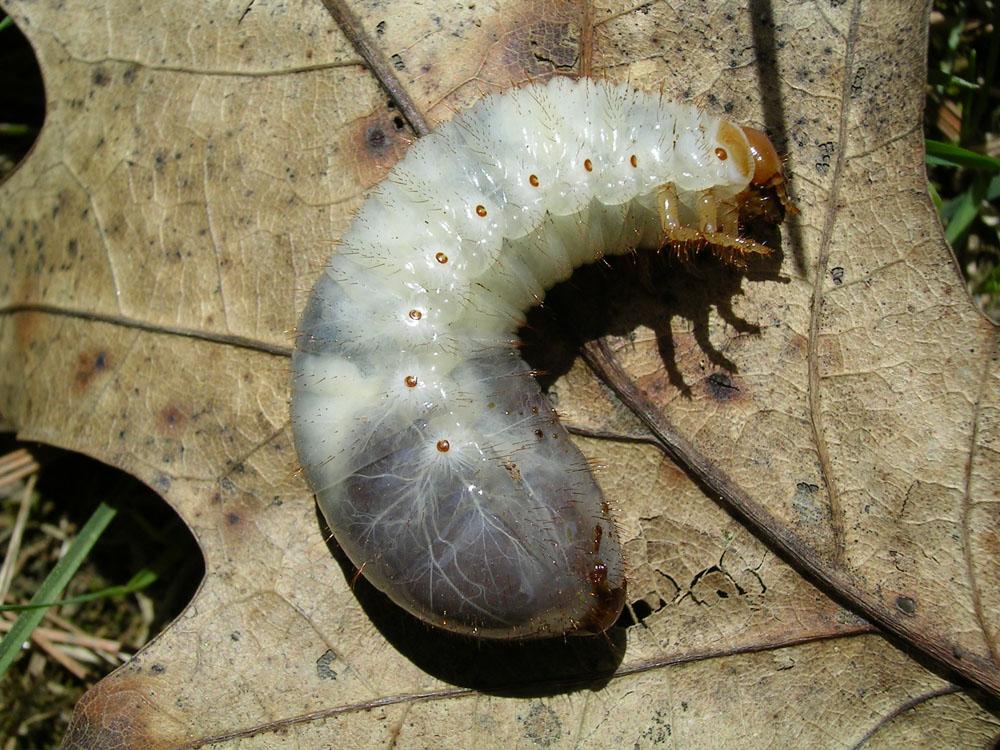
{"x":8,"y":567}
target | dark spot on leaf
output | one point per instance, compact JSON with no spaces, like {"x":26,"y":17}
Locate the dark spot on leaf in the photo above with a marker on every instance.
{"x":541,"y":725}
{"x":806,"y":504}
{"x":659,"y":732}
{"x":837,"y":274}
{"x":88,"y":366}
{"x":99,"y":76}
{"x":906,"y":605}
{"x":721,"y":387}
{"x":324,"y":670}
{"x":233,"y":518}
{"x":171,"y":418}
{"x":376,"y":138}
{"x":641,"y":609}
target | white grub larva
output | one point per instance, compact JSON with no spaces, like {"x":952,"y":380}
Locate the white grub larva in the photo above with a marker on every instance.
{"x":438,"y":463}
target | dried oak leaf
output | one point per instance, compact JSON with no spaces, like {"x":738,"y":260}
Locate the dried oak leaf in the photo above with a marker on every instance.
{"x":195,"y":170}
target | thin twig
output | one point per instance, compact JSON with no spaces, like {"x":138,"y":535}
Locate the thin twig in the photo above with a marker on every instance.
{"x":14,"y":548}
{"x":15,"y":466}
{"x":69,"y":663}
{"x":14,"y":458}
{"x":74,"y":639}
{"x":63,"y":624}
{"x":380,"y":67}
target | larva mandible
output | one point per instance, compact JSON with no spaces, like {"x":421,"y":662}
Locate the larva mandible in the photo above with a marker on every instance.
{"x":441,"y":468}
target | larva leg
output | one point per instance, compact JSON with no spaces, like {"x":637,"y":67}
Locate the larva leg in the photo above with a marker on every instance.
{"x":739,"y":246}
{"x":669,"y":206}
{"x":728,"y":247}
{"x":784,"y":198}
{"x":728,"y":216}
{"x":726,"y":234}
{"x":717,"y":223}
{"x":707,"y":213}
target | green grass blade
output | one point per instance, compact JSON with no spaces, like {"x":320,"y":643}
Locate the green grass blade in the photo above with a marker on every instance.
{"x":950,"y":155}
{"x":954,"y":38}
{"x":54,"y":583}
{"x":947,"y":80}
{"x":15,"y":129}
{"x":139,"y":581}
{"x":967,"y":207}
{"x":936,"y":198}
{"x":993,"y":190}
{"x":991,"y":283}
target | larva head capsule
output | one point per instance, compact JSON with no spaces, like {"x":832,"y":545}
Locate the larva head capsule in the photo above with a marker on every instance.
{"x":766,"y":162}
{"x":752,"y":155}
{"x":765,"y":170}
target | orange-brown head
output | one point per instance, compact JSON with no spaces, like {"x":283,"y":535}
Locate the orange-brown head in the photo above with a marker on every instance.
{"x":755,"y":157}
{"x":767,"y":163}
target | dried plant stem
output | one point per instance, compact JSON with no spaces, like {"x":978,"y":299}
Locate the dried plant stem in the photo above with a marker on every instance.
{"x":15,"y":466}
{"x":17,"y":534}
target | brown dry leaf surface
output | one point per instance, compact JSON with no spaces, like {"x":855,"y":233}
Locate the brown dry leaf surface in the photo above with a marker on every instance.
{"x":196,"y":168}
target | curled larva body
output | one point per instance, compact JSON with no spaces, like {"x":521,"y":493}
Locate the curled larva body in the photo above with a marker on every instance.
{"x":439,"y":465}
